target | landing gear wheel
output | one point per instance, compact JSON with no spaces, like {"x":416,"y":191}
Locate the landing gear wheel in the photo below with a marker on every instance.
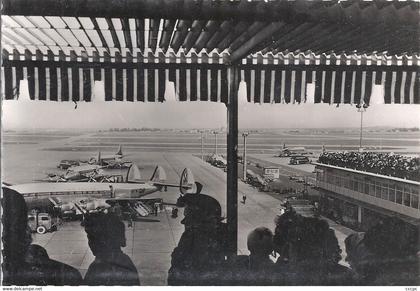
{"x":41,"y":229}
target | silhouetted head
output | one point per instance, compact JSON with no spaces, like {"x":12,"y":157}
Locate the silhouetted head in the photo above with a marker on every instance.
{"x":391,"y":242}
{"x":201,"y":209}
{"x":392,"y":238}
{"x":358,"y":255}
{"x":283,"y":223}
{"x":105,"y":232}
{"x":36,"y":254}
{"x":260,"y":242}
{"x":16,"y":235}
{"x":307,"y":240}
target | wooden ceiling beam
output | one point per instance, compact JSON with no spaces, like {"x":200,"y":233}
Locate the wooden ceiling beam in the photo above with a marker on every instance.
{"x":113,"y":33}
{"x":262,"y":35}
{"x":180,"y":34}
{"x":209,"y":30}
{"x":126,"y":30}
{"x":221,"y":33}
{"x":140,"y":34}
{"x":153,"y":33}
{"x":196,"y":29}
{"x":168,"y":30}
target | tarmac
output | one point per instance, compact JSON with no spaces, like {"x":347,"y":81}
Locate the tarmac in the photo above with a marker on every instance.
{"x":150,"y":241}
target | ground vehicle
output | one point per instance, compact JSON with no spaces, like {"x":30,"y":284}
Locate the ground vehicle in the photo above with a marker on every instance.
{"x":300,"y":180}
{"x":256,"y":180}
{"x":271,"y":173}
{"x":65,"y":164}
{"x":299,"y":160}
{"x":42,"y":222}
{"x":217,"y":161}
{"x":301,"y":206}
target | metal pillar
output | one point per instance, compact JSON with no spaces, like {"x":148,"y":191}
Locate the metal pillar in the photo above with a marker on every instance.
{"x":361,"y":129}
{"x":215,"y":141}
{"x":361,"y":108}
{"x":202,"y":146}
{"x":245,"y":135}
{"x":232,"y":161}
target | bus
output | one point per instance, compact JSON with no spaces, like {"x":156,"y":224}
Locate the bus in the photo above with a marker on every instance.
{"x":299,"y":160}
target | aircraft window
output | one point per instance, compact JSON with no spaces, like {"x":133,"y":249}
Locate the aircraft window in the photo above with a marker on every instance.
{"x":44,"y":218}
{"x":31,"y":218}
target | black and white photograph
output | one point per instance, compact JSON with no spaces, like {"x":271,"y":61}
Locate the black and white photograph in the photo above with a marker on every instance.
{"x":210,"y":143}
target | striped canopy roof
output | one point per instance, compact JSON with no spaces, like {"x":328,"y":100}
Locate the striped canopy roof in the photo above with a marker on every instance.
{"x":343,"y":48}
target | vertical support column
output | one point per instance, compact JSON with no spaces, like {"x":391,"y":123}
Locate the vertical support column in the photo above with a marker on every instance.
{"x":232,"y":161}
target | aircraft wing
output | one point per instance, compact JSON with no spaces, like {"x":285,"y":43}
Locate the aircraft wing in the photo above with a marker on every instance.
{"x":163,"y":184}
{"x":61,"y":180}
{"x":116,"y":164}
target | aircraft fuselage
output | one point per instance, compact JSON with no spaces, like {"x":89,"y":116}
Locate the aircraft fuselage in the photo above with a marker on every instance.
{"x":34,"y":193}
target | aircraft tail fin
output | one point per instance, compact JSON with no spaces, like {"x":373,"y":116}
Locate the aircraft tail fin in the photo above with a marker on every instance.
{"x":119,"y":152}
{"x":187,"y":182}
{"x":133,"y":174}
{"x":159,"y":175}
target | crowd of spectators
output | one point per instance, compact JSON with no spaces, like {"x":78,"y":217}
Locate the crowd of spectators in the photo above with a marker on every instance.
{"x":379,"y":163}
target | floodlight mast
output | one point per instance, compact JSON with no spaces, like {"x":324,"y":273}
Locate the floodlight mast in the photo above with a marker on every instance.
{"x":202,"y":144}
{"x":245,"y":135}
{"x":361,"y":108}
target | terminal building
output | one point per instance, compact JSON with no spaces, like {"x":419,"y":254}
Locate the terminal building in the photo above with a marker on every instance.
{"x":361,"y":199}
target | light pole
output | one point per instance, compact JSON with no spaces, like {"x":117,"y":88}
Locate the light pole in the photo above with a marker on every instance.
{"x":215,"y":141}
{"x":202,"y":145}
{"x":361,"y":108}
{"x":245,"y":135}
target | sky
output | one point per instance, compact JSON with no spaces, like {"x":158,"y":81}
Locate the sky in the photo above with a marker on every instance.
{"x":27,"y":114}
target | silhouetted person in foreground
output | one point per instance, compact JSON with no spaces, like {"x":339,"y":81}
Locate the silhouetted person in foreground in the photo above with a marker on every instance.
{"x":260,"y":246}
{"x":45,"y":271}
{"x":257,"y":268}
{"x":386,"y":254}
{"x":309,"y":253}
{"x":199,"y":257}
{"x":23,"y":263}
{"x":111,"y":267}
